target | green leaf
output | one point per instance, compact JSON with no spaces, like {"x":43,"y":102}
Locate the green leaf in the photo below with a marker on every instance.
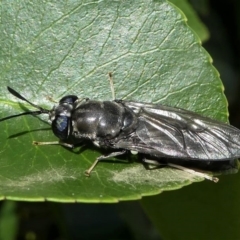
{"x":50,"y":49}
{"x":192,"y":19}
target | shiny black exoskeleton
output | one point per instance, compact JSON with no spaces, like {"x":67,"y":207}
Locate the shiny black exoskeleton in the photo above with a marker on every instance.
{"x":93,"y":120}
{"x":151,"y":129}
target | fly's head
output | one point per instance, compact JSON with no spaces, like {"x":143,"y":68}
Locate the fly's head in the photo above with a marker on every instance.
{"x":61,"y":117}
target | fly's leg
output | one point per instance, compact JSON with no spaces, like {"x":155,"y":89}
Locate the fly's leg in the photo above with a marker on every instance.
{"x":54,"y":143}
{"x":148,"y":161}
{"x":112,"y":85}
{"x":87,"y":172}
{"x":200,"y":174}
{"x":51,"y":99}
{"x":194,"y":172}
{"x":113,"y":154}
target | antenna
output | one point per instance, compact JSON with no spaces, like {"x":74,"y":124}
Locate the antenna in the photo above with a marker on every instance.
{"x":16,"y":94}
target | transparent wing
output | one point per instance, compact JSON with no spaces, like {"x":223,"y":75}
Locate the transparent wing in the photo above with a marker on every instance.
{"x":173,"y":132}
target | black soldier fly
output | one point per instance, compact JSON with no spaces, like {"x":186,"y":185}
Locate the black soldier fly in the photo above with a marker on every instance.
{"x":154,"y":130}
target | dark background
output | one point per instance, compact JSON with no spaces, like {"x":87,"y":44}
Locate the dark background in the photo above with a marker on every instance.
{"x":223,"y":21}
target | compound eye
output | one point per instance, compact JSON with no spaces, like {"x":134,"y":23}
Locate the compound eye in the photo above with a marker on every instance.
{"x":61,"y":127}
{"x":70,"y":99}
